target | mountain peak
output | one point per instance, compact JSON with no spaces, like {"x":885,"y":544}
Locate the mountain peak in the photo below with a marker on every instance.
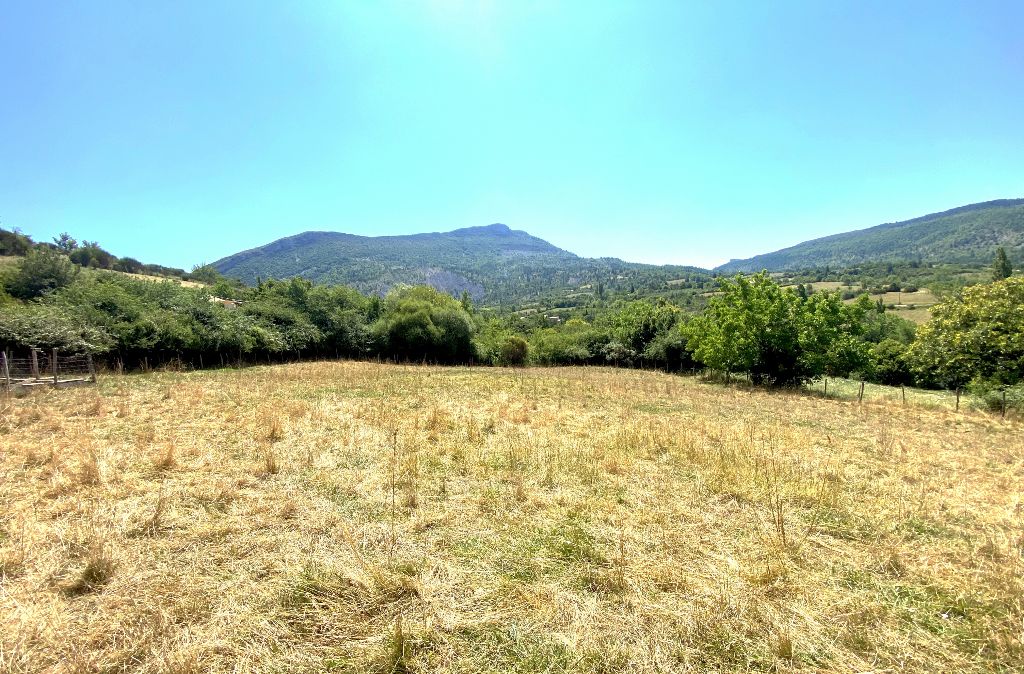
{"x":497,"y":229}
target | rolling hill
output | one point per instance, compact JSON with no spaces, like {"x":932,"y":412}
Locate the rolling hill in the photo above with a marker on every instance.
{"x":968,"y":235}
{"x":491,"y":263}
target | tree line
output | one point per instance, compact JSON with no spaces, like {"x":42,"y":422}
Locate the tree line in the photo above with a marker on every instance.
{"x":750,"y":326}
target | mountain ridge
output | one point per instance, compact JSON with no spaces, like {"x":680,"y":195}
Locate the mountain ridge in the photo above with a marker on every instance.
{"x":488,"y":261}
{"x":967,"y":234}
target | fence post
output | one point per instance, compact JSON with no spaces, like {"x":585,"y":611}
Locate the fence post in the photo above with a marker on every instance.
{"x":92,"y":368}
{"x":35,"y":363}
{"x":957,"y":398}
{"x":1004,"y":403}
{"x":53,"y":366}
{"x":826,"y":386}
{"x":6,"y":370}
{"x":860,"y":396}
{"x":903,"y":392}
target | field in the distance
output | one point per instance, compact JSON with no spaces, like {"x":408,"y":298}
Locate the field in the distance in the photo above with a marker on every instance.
{"x":359,"y":517}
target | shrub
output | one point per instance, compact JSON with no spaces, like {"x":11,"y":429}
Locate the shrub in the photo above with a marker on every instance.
{"x":889,"y":364}
{"x":49,"y":327}
{"x":991,"y":395}
{"x":513,"y":351}
{"x":574,"y":343}
{"x":421,"y":323}
{"x":41,"y":271}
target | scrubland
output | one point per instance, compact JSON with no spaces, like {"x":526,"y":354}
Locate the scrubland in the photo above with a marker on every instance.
{"x":358,"y":517}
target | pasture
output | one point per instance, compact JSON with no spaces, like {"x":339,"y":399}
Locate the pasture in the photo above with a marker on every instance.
{"x":359,"y":517}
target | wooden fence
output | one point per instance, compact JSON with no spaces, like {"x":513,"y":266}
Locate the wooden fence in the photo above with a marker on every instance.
{"x":46,"y":368}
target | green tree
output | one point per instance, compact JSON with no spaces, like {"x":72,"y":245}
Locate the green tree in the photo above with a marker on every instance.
{"x":635,"y":325}
{"x":1001,"y":267}
{"x":205,"y":273}
{"x":65,"y":243}
{"x":830,"y":335}
{"x":774,"y":335}
{"x":751,"y":327}
{"x":976,"y":334}
{"x":421,"y":323}
{"x":889,"y":364}
{"x":41,"y":271}
{"x":573,"y":343}
{"x":14,"y":242}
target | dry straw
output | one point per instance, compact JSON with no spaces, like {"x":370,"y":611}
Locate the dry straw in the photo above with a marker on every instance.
{"x":360,"y":517}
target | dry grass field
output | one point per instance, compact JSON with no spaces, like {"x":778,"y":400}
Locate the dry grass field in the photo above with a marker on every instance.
{"x":166,"y":279}
{"x":355,"y":517}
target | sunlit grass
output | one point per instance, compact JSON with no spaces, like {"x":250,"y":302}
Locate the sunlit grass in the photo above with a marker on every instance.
{"x":360,"y":517}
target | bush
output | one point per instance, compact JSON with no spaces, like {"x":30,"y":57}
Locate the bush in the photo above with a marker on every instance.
{"x":669,"y":351}
{"x":423,"y":324}
{"x":14,"y":243}
{"x":889,"y":364}
{"x":48,"y":327}
{"x":41,"y":271}
{"x":513,"y":351}
{"x":991,"y":395}
{"x":573,"y":343}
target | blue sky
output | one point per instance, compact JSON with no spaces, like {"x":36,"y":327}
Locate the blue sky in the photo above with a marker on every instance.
{"x":676,"y":132}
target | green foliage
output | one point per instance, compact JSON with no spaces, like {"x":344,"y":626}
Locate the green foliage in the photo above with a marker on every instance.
{"x":573,"y":343}
{"x":90,"y":254}
{"x":881,"y":326}
{"x":205,"y":273}
{"x":830,"y":335}
{"x":636,"y":324}
{"x":491,"y":264}
{"x":422,"y":324}
{"x":669,"y":350}
{"x":977,"y":334}
{"x":49,"y":327}
{"x":128,"y":265}
{"x":41,"y":271}
{"x":65,"y":243}
{"x":961,"y":235}
{"x":774,"y":335}
{"x":993,"y":395}
{"x":889,"y":364}
{"x":14,"y":243}
{"x":514,"y":350}
{"x":1001,"y":267}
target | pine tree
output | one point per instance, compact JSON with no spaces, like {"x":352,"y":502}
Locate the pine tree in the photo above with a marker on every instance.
{"x":1001,"y":267}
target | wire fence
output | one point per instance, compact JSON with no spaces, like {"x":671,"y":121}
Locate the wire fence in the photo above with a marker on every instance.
{"x":39,"y":367}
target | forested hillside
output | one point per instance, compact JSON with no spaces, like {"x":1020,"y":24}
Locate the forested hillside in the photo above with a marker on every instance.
{"x":965,"y":235}
{"x":492,"y":263}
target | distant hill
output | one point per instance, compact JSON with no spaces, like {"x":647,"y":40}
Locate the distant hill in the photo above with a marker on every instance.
{"x":492,"y":263}
{"x":968,"y":235}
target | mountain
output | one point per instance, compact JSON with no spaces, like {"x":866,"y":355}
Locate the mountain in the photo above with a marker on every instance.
{"x":492,"y":263}
{"x":968,"y":235}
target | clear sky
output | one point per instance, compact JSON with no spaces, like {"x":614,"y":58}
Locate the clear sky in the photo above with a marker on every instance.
{"x":682,"y":132}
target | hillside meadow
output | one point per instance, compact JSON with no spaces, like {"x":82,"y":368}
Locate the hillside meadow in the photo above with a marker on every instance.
{"x":362,"y":517}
